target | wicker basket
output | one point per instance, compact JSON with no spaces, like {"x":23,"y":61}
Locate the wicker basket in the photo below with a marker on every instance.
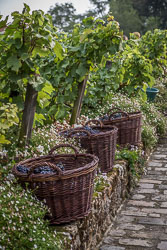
{"x":129,"y":126}
{"x":67,"y":193}
{"x":103,"y":144}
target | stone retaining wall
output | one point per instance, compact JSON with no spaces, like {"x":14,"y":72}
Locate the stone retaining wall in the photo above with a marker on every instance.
{"x":110,"y":192}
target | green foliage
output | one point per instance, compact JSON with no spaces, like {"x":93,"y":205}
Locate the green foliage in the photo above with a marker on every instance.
{"x":133,"y":157}
{"x":100,"y":183}
{"x":24,"y":44}
{"x":8,"y":118}
{"x":86,"y":48}
{"x":161,"y":84}
{"x":153,"y":46}
{"x":139,"y":64}
{"x":149,"y":137}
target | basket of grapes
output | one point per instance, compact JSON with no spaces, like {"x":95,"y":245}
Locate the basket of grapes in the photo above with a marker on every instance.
{"x":97,"y":139}
{"x":128,"y":124}
{"x":64,"y":181}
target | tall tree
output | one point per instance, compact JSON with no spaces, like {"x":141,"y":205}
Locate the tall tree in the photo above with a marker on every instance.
{"x":152,"y":8}
{"x":126,"y":15}
{"x":64,"y":16}
{"x":100,"y":7}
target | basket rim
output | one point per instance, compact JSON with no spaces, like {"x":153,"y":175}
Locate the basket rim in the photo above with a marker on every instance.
{"x":87,"y":168}
{"x":131,"y":115}
{"x":113,"y":130}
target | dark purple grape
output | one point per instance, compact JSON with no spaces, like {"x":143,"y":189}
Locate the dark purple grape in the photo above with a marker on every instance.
{"x":78,"y":134}
{"x":22,"y":169}
{"x":60,"y":165}
{"x":116,"y":116}
{"x":47,"y":169}
{"x":104,"y":118}
{"x":43,"y":170}
{"x":91,"y":131}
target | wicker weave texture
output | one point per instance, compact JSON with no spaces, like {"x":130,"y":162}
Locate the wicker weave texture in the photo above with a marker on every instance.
{"x":103,"y":144}
{"x":129,"y":127}
{"x":68,"y":193}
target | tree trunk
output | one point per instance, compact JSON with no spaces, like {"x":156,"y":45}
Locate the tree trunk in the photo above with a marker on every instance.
{"x":28,"y":115}
{"x":78,"y":102}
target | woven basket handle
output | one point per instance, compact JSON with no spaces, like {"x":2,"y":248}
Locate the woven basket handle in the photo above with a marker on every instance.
{"x":114,"y":109}
{"x":94,"y":121}
{"x":79,"y":130}
{"x":117,"y":112}
{"x":43,"y":163}
{"x":64,"y":146}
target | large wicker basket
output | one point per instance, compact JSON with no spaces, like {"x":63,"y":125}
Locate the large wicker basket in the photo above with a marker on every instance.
{"x":67,"y":193}
{"x":129,"y":126}
{"x":103,"y":144}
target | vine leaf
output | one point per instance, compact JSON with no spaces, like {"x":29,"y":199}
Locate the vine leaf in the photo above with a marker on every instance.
{"x":82,"y":70}
{"x":14,"y":63}
{"x":58,"y":50}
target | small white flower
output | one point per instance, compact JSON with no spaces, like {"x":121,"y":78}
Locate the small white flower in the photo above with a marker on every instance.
{"x":40,"y":149}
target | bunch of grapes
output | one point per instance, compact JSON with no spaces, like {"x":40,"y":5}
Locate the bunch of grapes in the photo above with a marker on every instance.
{"x":91,"y":131}
{"x":22,"y":169}
{"x":106,"y":117}
{"x":41,"y":169}
{"x":116,"y":116}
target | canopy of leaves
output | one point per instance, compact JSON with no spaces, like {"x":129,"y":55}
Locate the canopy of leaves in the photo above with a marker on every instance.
{"x":64,"y":16}
{"x":152,"y":8}
{"x":23,"y":44}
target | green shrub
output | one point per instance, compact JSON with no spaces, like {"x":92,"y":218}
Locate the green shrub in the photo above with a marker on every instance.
{"x":149,"y":137}
{"x":133,"y":156}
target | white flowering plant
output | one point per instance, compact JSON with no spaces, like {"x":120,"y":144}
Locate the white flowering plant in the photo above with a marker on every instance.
{"x":21,"y":219}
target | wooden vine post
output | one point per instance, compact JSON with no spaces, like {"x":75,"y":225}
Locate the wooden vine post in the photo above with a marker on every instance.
{"x":78,"y":102}
{"x":28,"y":115}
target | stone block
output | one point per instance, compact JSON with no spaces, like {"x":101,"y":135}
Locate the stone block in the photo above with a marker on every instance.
{"x":141,"y":203}
{"x":146,"y":185}
{"x":162,"y":245}
{"x":135,"y":242}
{"x":150,"y":181}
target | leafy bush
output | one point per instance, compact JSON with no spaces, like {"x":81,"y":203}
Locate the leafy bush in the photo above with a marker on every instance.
{"x":8,"y":118}
{"x":149,"y":137}
{"x":133,"y":156}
